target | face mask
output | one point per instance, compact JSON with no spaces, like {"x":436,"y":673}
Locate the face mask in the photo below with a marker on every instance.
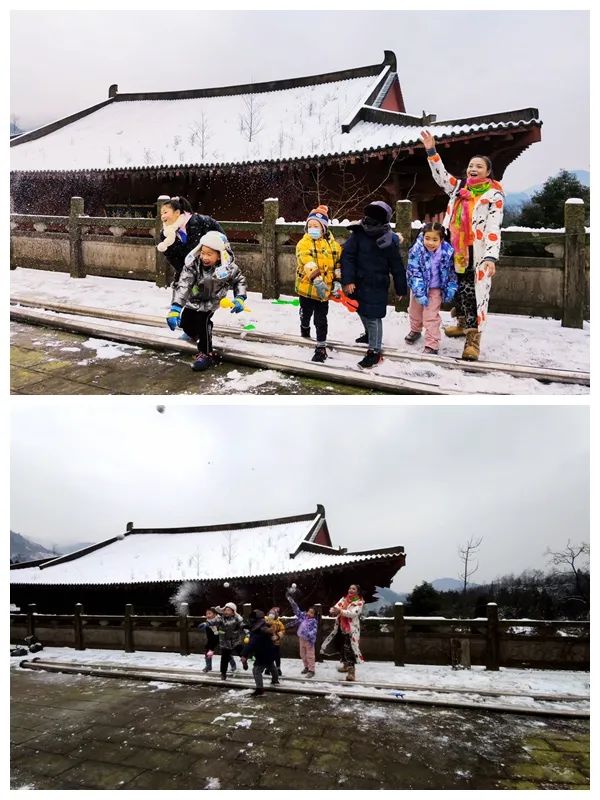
{"x":314,"y":233}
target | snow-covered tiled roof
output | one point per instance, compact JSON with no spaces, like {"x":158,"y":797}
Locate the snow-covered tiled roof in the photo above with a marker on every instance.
{"x":339,"y":116}
{"x":205,"y":554}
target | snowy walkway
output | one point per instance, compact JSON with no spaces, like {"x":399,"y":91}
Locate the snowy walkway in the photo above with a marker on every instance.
{"x":507,"y":339}
{"x":73,"y":732}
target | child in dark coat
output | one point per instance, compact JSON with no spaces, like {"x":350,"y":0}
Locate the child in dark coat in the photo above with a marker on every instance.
{"x":368,"y":257}
{"x":231,"y":632}
{"x":210,"y":628}
{"x":260,"y":645}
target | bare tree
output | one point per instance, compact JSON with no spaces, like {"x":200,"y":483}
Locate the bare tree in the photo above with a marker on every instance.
{"x":566,"y":563}
{"x":201,"y":133}
{"x":466,"y":554}
{"x":228,"y":549}
{"x":251,"y":122}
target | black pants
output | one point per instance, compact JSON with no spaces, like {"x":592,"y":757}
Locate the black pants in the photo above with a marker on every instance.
{"x":319,"y":308}
{"x":466,"y":300}
{"x":348,"y":656}
{"x":227,"y":657}
{"x":198,"y":326}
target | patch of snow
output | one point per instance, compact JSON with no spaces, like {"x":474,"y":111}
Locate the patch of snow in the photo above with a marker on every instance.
{"x":213,"y":783}
{"x":108,"y":350}
{"x":242,"y":383}
{"x":243,"y":723}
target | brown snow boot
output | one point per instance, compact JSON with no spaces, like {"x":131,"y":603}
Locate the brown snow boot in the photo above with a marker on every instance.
{"x":342,"y":668}
{"x":456,"y":330}
{"x":350,"y":676}
{"x":471,"y":349}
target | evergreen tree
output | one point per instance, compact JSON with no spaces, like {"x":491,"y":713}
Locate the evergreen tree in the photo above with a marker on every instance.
{"x":424,"y":601}
{"x":546,"y":207}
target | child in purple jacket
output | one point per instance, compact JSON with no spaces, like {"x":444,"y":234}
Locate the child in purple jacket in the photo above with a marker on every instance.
{"x":307,"y":636}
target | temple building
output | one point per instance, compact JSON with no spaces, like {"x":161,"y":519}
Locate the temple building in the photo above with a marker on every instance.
{"x":246,"y":562}
{"x":341,"y":138}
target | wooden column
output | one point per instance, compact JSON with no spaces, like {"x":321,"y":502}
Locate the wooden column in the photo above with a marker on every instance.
{"x":128,"y":629}
{"x":78,"y":627}
{"x":404,"y":216}
{"x":491,"y":646}
{"x":30,"y":620}
{"x":77,"y":267}
{"x":246,"y":609}
{"x":161,"y":265}
{"x":270,"y":276}
{"x":574,"y":276}
{"x":319,"y":640}
{"x":399,"y":635}
{"x":184,"y":638}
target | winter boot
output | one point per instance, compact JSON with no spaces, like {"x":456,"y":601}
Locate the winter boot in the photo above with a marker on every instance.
{"x":202,"y":362}
{"x":430,"y":351}
{"x":257,"y":693}
{"x":363,"y":339}
{"x":304,"y":671}
{"x":342,"y":668}
{"x":310,"y":673}
{"x":350,"y":676}
{"x":412,"y":337}
{"x":471,"y":349}
{"x":372,"y":358}
{"x":320,"y":354}
{"x":305,"y":332}
{"x":456,"y":330}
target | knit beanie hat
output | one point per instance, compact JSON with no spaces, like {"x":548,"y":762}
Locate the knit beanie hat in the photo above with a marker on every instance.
{"x":232,"y":606}
{"x":321,"y":214}
{"x":214,"y":240}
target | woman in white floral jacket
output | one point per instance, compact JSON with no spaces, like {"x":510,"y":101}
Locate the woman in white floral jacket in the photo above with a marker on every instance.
{"x":347,"y":613}
{"x":473,"y":217}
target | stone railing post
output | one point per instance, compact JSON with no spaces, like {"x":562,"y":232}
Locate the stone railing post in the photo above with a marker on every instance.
{"x":270,"y":275}
{"x":161,"y":265}
{"x":184,"y":637}
{"x":574,"y":276}
{"x":30,"y":620}
{"x":128,"y":629}
{"x":78,"y":627}
{"x":319,"y":640}
{"x":399,"y":635}
{"x":77,"y":267}
{"x":403,"y":226}
{"x":492,"y":646}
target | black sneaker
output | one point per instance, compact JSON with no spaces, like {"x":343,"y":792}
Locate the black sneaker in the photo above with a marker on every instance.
{"x":364,"y":339}
{"x":305,"y":333}
{"x":320,"y":354}
{"x":412,"y":337}
{"x":372,"y":358}
{"x":310,"y":673}
{"x":275,"y":683}
{"x":430,"y":351}
{"x":304,"y":671}
{"x":257,"y":693}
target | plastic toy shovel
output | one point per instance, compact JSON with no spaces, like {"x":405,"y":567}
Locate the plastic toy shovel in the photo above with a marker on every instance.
{"x":227,"y":303}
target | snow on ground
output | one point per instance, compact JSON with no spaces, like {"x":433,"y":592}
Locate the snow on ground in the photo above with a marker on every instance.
{"x":462,"y":685}
{"x":507,"y":339}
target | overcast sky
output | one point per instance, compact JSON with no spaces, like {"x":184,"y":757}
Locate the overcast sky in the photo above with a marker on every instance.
{"x":454,"y":63}
{"x":427,"y":478}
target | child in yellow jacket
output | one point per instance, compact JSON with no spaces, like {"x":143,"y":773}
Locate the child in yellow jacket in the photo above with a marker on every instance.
{"x":317,"y":276}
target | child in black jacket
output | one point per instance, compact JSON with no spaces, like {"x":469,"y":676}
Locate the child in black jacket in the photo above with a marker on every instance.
{"x":260,"y":646}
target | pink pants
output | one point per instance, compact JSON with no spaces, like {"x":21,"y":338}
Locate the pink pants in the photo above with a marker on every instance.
{"x":427,"y":316}
{"x":307,"y":654}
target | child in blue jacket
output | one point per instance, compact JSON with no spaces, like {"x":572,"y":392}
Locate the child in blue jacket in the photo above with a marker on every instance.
{"x":307,"y":636}
{"x":433,"y":281}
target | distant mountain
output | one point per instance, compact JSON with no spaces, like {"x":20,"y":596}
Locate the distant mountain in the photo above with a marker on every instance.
{"x":519,"y":198}
{"x":23,"y":549}
{"x":450,"y":585}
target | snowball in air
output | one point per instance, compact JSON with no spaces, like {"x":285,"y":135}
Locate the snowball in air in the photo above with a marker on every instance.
{"x":226,"y":584}
{"x":160,"y":409}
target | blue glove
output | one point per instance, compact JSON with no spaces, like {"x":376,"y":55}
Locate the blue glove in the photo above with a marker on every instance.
{"x":321,"y":287}
{"x":423,"y":300}
{"x":238,"y":305}
{"x":174,"y":316}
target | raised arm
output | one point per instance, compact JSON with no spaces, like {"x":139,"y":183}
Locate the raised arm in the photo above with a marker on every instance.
{"x":440,"y":175}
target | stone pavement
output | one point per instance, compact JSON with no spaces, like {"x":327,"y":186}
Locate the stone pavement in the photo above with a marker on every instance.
{"x":74,"y":732}
{"x":46,"y":361}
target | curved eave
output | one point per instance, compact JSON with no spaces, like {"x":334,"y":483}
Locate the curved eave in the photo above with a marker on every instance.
{"x":267,"y":163}
{"x":387,"y":560}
